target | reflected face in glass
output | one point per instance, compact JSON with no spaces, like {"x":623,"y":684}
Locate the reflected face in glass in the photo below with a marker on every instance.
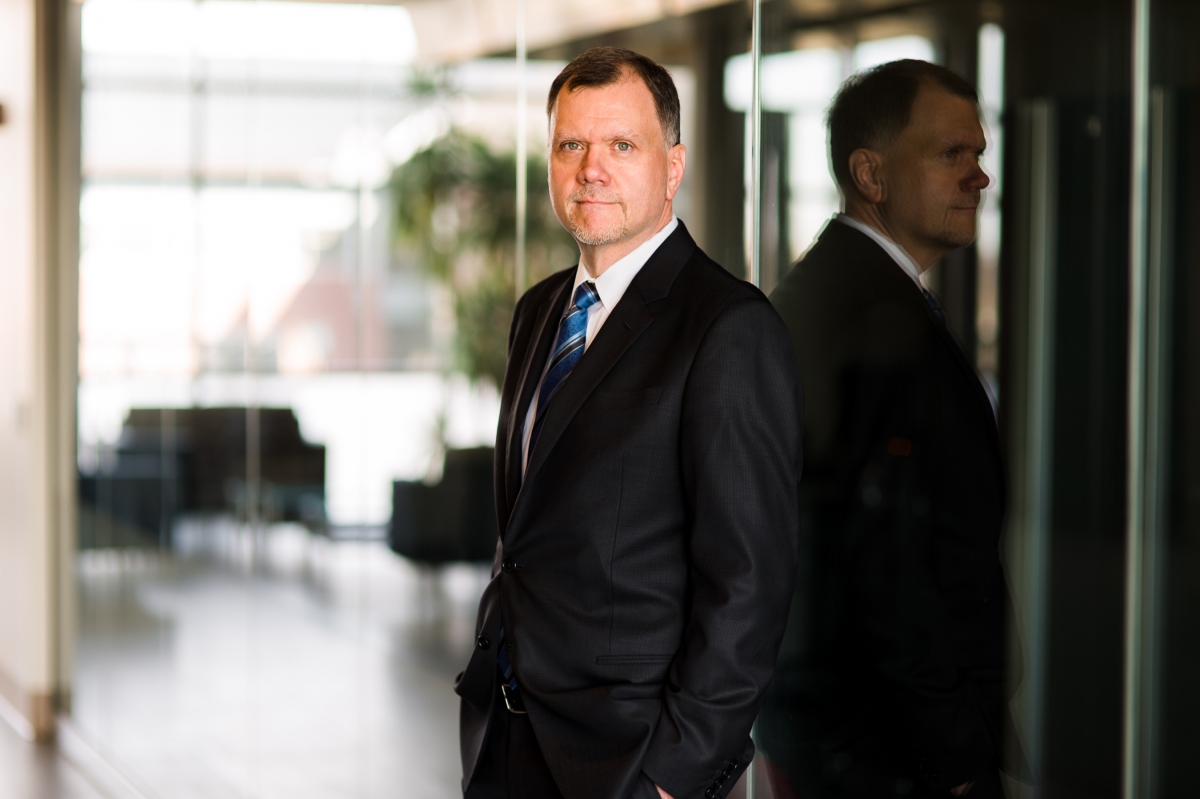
{"x":612,"y":177}
{"x":932,"y":173}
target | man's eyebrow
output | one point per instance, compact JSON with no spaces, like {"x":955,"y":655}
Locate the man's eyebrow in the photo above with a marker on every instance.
{"x":625,"y":135}
{"x":961,"y":144}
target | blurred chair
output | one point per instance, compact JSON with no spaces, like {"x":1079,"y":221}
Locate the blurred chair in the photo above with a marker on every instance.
{"x":453,"y":520}
{"x":194,"y":460}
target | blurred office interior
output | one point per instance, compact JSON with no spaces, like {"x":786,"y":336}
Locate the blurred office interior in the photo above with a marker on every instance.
{"x":259,"y":262}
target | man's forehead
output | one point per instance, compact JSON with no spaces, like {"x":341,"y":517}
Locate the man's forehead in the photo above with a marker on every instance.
{"x":941,"y":114}
{"x":941,"y":103}
{"x":616,"y":110}
{"x":597,"y":121}
{"x":627,"y":90}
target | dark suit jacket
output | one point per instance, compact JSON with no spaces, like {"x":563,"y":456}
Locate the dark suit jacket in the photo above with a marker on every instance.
{"x":892,"y":669}
{"x":646,"y":561}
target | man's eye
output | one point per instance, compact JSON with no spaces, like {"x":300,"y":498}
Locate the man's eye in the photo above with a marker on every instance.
{"x":571,"y":145}
{"x":624,"y":146}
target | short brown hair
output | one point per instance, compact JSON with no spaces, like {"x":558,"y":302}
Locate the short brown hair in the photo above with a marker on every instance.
{"x":604,"y":66}
{"x":873,"y":107}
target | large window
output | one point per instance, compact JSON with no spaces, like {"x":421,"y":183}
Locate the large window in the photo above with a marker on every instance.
{"x":266,"y":353}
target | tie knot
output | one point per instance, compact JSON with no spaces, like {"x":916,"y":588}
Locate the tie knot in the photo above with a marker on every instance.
{"x":585,"y":296}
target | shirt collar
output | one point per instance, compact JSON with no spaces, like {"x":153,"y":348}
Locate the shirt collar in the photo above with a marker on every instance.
{"x":902,"y":259}
{"x":613,"y":281}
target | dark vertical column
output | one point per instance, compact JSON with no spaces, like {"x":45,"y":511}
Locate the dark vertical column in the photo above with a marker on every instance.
{"x":1075,"y":56}
{"x":719,"y":189}
{"x":1175,"y":245}
{"x":773,"y":183}
{"x":775,"y":255}
{"x":1180,"y":691}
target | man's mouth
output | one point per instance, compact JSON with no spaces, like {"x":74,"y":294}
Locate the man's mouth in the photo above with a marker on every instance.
{"x":591,"y":199}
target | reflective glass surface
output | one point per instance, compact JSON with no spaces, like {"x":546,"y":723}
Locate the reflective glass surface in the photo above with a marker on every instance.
{"x":304,"y":227}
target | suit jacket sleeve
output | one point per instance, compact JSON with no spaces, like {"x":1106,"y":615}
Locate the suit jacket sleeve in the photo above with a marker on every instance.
{"x":741,"y":451}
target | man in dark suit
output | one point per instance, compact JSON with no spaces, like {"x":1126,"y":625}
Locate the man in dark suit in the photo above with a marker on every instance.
{"x":891,"y":678}
{"x":647,"y":460}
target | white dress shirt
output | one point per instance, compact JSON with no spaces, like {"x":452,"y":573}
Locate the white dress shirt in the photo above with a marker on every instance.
{"x":903,"y":259}
{"x":611,"y":287}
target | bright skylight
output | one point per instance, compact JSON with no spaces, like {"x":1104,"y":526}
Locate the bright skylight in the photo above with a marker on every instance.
{"x":242,"y":30}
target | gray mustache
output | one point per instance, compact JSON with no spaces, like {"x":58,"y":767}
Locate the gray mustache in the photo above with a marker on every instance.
{"x":581,"y":197}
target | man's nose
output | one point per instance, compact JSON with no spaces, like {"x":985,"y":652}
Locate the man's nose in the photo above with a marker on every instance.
{"x":593,"y":169}
{"x":977,"y":180}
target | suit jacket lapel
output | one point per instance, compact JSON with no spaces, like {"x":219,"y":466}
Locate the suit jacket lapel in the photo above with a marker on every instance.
{"x":982,"y":400}
{"x":622,"y":328}
{"x":624,"y":324}
{"x":961,"y":358}
{"x":900,"y":282}
{"x":545,"y":329}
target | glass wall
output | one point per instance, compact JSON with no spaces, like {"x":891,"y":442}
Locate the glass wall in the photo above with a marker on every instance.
{"x":304,"y":226}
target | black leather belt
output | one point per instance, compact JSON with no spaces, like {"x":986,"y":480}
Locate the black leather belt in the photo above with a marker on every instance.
{"x":512,"y":699}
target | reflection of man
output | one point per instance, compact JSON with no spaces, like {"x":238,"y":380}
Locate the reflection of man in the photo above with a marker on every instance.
{"x":646,"y":470}
{"x":891,"y":678}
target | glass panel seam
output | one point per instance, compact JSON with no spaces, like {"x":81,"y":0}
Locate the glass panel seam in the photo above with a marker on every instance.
{"x":1136,"y":390}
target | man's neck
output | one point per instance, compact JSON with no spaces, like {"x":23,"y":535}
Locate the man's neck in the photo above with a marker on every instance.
{"x":597,"y":259}
{"x":874,"y":217}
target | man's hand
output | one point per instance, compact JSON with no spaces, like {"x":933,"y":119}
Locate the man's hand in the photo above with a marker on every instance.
{"x":663,"y":794}
{"x":959,"y":791}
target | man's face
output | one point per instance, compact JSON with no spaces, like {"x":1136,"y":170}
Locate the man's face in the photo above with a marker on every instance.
{"x":932,"y":172}
{"x":611,"y":175}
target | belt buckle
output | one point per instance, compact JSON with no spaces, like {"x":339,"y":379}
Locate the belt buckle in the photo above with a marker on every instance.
{"x":510,"y":704}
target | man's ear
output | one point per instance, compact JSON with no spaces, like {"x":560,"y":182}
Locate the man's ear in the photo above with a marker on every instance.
{"x":866,"y":172}
{"x":676,"y":164}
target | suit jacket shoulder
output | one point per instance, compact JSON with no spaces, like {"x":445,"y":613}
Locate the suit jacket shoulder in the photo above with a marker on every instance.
{"x":705,"y":289}
{"x":846,"y":298}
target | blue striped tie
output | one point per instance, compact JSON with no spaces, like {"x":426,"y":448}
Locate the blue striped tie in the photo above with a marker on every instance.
{"x":510,"y":682}
{"x":568,"y":351}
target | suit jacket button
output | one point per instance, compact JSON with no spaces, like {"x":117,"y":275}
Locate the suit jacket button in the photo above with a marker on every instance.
{"x":509,"y":565}
{"x":483,"y":642}
{"x":724,"y":774}
{"x":710,"y":793}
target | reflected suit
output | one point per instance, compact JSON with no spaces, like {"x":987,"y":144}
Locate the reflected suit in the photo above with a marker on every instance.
{"x":647,"y":556}
{"x":891,"y":678}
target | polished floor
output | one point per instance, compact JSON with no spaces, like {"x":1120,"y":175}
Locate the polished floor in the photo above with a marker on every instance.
{"x":39,"y":771}
{"x":272,"y":665}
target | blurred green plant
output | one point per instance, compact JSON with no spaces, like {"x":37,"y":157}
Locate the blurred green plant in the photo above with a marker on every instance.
{"x":455,"y":204}
{"x":428,"y":81}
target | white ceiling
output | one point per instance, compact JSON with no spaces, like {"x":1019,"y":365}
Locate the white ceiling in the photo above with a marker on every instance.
{"x":453,"y":30}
